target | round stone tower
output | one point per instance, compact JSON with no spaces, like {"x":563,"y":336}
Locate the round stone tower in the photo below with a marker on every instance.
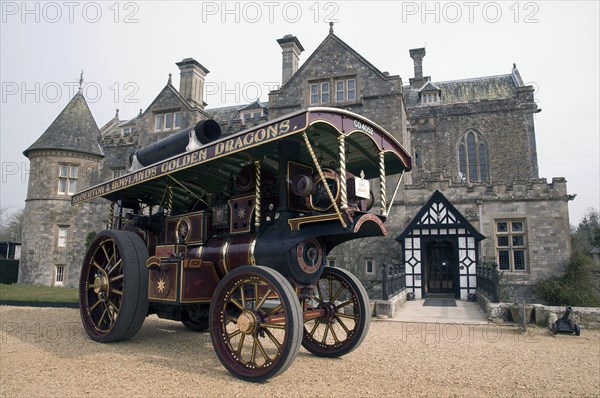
{"x":63,"y":161}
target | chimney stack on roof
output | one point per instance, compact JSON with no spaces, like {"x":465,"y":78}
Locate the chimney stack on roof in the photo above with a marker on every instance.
{"x":290,"y":51}
{"x":417,"y":54}
{"x":191,"y":82}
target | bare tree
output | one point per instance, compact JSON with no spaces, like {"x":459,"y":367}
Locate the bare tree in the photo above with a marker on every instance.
{"x":3,"y":220}
{"x":587,"y":234}
{"x":11,"y":225}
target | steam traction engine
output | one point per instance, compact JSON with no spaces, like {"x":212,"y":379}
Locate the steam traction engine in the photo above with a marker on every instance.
{"x":231,"y":235}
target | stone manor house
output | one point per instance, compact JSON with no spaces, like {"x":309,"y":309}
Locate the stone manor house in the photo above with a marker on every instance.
{"x":474,"y":195}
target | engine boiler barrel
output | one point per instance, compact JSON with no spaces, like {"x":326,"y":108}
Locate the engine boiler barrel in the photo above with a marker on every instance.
{"x":204,"y":132}
{"x":300,"y":259}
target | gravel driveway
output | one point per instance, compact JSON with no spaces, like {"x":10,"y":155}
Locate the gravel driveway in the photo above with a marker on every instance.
{"x":43,"y":353}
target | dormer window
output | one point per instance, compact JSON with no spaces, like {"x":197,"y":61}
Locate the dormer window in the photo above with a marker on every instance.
{"x":166,"y":121}
{"x":430,"y":94}
{"x":250,"y":115}
{"x":430,"y":98}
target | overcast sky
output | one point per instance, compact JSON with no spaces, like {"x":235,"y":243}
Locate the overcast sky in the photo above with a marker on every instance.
{"x":127,"y":50}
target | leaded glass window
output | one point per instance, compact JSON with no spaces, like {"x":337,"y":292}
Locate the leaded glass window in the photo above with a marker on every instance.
{"x":511,"y":246}
{"x":472,"y":158}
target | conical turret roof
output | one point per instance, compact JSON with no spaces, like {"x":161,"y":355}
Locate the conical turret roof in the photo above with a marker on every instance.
{"x":73,"y":130}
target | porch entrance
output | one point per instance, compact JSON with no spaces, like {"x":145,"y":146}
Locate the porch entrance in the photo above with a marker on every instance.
{"x":440,"y":268}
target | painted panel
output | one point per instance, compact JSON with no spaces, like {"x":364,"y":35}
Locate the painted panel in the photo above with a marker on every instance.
{"x":417,"y":269}
{"x":473,"y":281}
{"x":418,"y":293}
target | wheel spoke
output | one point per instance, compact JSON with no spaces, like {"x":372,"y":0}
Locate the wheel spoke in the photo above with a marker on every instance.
{"x":273,"y":338}
{"x":115,"y":308}
{"x":95,"y":305}
{"x":236,"y":303}
{"x":335,"y":338}
{"x":97,"y":265}
{"x":106,"y":256}
{"x":253,"y":355}
{"x":114,"y":247}
{"x":320,"y":298}
{"x":274,"y":310}
{"x":261,"y":348}
{"x":353,"y":317}
{"x":345,"y":303}
{"x":230,"y":318}
{"x":337,"y":294}
{"x":110,"y":314}
{"x":330,"y":281}
{"x":117,"y":263}
{"x":324,"y":339}
{"x":103,"y":313}
{"x":116,"y":278}
{"x":240,"y":344}
{"x":342,"y":324}
{"x":242,"y":296}
{"x":115,"y":291}
{"x":314,"y":329}
{"x":233,"y":334}
{"x":262,"y":301}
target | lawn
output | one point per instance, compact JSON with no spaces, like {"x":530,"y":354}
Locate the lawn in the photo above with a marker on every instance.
{"x":43,"y":294}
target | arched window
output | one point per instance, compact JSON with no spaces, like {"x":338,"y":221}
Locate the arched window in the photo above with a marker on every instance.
{"x":472,"y":158}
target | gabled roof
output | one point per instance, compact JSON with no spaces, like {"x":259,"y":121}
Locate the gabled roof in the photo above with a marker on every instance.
{"x":169,"y":87}
{"x":429,"y":86}
{"x":74,"y":129}
{"x":332,"y":37}
{"x":254,"y":105}
{"x":444,"y":214}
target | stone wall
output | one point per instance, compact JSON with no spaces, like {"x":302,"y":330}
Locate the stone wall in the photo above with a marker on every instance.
{"x":46,"y":210}
{"x":587,"y":317}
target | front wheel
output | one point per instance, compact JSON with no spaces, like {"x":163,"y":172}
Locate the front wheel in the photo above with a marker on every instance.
{"x":344,"y":323}
{"x":255,"y":323}
{"x":112,"y":286}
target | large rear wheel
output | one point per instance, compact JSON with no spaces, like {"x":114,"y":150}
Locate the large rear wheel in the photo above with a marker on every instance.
{"x":255,"y":323}
{"x":113,"y":286}
{"x":344,"y":303}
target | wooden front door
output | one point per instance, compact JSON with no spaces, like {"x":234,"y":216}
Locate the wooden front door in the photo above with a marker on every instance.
{"x":440,"y":267}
